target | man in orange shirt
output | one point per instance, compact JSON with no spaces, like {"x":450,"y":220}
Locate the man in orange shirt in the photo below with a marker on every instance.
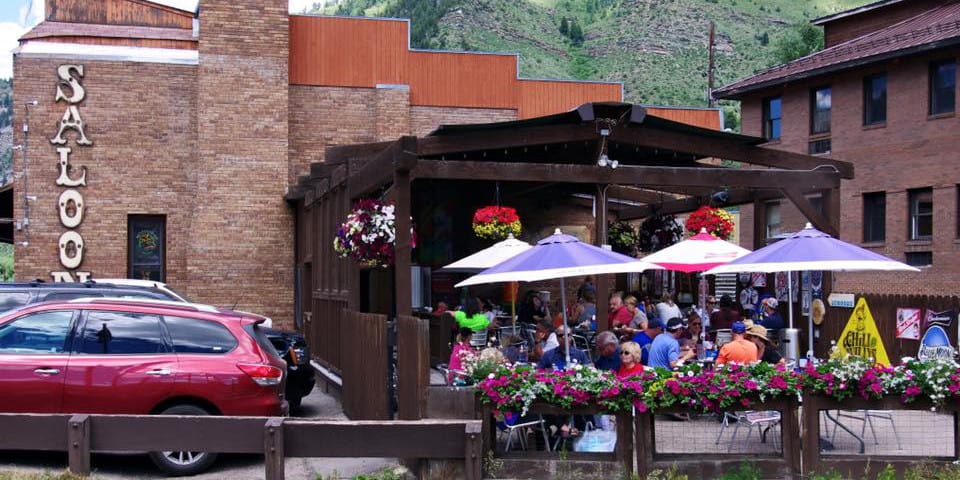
{"x":739,"y":350}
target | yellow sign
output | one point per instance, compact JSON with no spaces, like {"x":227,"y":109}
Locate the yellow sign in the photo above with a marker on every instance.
{"x":861,"y":338}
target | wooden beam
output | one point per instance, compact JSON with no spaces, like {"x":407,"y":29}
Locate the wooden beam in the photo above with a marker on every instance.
{"x":807,"y":209}
{"x":514,"y":137}
{"x":729,"y":148}
{"x":630,"y":175}
{"x":343,"y":153}
{"x":637,"y":195}
{"x":692,"y":203}
{"x":375,"y":173}
{"x":759,"y":222}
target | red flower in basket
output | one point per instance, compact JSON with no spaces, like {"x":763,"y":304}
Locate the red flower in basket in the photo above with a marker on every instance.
{"x":496,"y":223}
{"x":715,"y":221}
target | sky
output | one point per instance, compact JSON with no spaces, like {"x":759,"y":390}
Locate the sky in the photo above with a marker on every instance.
{"x":19,"y":16}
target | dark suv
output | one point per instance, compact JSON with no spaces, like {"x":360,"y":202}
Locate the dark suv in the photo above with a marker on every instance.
{"x":291,"y":346}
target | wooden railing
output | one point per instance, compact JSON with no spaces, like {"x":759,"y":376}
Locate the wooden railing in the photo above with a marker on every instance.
{"x":275,"y":437}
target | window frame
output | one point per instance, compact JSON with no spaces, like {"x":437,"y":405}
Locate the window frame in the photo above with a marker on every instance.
{"x":814,"y":110}
{"x":768,"y":120}
{"x":932,"y":91}
{"x":867,"y":217}
{"x":868,"y":88}
{"x":766,"y":219}
{"x":69,"y":336}
{"x":907,"y":255}
{"x":131,"y":222}
{"x":914,"y":196}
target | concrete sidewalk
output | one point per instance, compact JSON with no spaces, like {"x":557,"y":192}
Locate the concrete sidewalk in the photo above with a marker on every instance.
{"x":228,"y":467}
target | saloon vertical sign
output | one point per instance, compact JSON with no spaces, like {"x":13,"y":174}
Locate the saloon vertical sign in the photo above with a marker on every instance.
{"x":70,"y":204}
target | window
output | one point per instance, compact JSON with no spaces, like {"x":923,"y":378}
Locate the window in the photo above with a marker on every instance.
{"x":874,"y":217}
{"x":119,"y":333}
{"x":146,"y":249}
{"x":820,"y":110}
{"x":11,"y":300}
{"x":919,"y":259}
{"x":36,"y":333}
{"x":64,"y":296}
{"x":820,"y":146}
{"x":773,"y":219}
{"x":875,"y":99}
{"x":921,"y":213}
{"x":771,"y":118}
{"x":943,"y":85}
{"x":192,"y":335}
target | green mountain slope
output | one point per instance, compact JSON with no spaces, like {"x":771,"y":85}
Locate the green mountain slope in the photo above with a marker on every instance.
{"x":657,"y":48}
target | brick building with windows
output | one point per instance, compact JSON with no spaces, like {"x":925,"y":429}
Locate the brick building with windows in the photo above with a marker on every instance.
{"x":882,"y":95}
{"x":161,"y":141}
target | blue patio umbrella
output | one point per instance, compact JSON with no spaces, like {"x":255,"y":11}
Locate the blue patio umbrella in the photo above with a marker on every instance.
{"x":559,"y":256}
{"x":811,"y":249}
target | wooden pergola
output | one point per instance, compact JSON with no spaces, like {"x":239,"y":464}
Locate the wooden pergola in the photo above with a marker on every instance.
{"x":664,"y":167}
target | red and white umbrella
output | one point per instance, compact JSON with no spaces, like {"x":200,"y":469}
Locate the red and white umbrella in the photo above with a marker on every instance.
{"x":697,"y":253}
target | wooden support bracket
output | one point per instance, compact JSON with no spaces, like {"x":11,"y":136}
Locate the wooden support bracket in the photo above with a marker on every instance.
{"x":273,"y":449}
{"x":78,"y":441}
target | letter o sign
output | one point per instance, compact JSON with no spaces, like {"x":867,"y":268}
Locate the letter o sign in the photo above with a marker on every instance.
{"x":65,"y":240}
{"x":70,"y":221}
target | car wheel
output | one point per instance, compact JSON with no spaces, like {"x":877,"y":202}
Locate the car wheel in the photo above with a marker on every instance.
{"x":181,"y":463}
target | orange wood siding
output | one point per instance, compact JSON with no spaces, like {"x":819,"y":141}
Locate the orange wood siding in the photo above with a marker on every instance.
{"x":698,"y":117}
{"x":118,"y":12}
{"x":545,"y":97}
{"x":363,"y":52}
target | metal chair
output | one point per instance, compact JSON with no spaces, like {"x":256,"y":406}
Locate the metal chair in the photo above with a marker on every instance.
{"x":724,"y":335}
{"x":581,"y":343}
{"x":521,"y":431}
{"x":749,"y":419}
{"x":479,"y":339}
{"x":867,"y":419}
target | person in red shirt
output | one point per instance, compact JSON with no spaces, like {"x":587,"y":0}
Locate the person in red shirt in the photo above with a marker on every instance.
{"x":619,"y":316}
{"x":629,"y":360}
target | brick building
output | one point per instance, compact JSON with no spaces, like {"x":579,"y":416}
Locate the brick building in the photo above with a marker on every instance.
{"x":882,"y":96}
{"x":161,"y":142}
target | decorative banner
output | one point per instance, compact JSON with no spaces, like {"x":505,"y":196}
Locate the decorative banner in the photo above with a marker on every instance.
{"x":749,"y":298}
{"x":744,"y":277}
{"x":806,"y":297}
{"x":861,"y":338}
{"x":759,"y":279}
{"x":943,"y":319}
{"x":816,"y":284}
{"x":781,"y":283}
{"x":908,"y":323}
{"x":935,"y":345}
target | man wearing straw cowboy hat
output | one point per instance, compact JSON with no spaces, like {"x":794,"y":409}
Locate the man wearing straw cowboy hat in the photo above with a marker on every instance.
{"x":767,"y":352}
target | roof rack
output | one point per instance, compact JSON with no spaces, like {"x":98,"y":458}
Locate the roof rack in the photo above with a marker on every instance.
{"x":196,"y":307}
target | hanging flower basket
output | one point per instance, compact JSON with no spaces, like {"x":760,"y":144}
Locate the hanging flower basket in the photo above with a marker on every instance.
{"x":369,"y":234}
{"x":496,"y":223}
{"x":659,"y":232}
{"x":716,"y":221}
{"x":623,"y":238}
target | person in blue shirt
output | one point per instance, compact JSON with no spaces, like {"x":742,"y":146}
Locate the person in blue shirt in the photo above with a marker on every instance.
{"x":769,"y":317}
{"x":665,"y":349}
{"x":645,"y":338}
{"x":557,"y":358}
{"x":608,"y":348}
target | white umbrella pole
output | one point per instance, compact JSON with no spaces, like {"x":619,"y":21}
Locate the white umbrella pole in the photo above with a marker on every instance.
{"x":810,"y":331}
{"x":566,"y":328}
{"x":790,"y":297}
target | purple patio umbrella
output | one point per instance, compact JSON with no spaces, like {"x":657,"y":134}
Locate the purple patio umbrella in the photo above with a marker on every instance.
{"x":559,"y":256}
{"x":811,"y":249}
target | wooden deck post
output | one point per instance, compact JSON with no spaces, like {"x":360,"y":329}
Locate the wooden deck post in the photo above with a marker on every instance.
{"x":790,"y":440}
{"x":625,"y":442}
{"x":273,"y":449}
{"x":643,"y":442}
{"x":472,"y":457}
{"x":78,"y":440}
{"x":811,"y":433}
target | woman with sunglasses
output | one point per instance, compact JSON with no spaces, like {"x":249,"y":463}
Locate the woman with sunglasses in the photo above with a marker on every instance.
{"x":692,"y":337}
{"x":629,"y":360}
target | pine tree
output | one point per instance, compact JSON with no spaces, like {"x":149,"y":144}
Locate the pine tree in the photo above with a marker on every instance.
{"x":563,"y":27}
{"x":576,"y":33}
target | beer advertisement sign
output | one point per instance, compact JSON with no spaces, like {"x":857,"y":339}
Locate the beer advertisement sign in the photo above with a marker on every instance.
{"x":861,"y":338}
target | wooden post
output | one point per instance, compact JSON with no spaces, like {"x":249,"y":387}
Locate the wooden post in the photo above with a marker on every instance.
{"x":472,"y":465}
{"x":273,"y":449}
{"x":488,"y":431}
{"x":956,"y":434}
{"x":625,"y":442}
{"x":759,"y":223}
{"x":790,"y":437}
{"x":401,"y":185}
{"x":811,"y":433}
{"x":78,"y":439}
{"x":643,"y":443}
{"x":602,"y":282}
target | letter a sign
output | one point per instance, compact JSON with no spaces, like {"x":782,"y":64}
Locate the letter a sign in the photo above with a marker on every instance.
{"x":861,"y":338}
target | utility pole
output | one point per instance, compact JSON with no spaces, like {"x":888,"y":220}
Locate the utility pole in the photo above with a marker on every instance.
{"x":710,"y":101}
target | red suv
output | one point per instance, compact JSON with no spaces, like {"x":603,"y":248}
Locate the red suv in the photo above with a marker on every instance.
{"x":113,"y":356}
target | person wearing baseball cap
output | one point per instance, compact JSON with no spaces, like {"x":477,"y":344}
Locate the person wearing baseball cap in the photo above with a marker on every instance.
{"x":768,"y":317}
{"x":738,"y":350}
{"x":645,"y":338}
{"x":665,"y":349}
{"x":765,"y":348}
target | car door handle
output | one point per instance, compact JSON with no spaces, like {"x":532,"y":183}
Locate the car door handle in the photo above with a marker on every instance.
{"x":47,"y":371}
{"x":160,"y":372}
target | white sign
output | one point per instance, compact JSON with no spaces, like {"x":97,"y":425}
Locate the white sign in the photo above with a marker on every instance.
{"x":70,"y":203}
{"x":842,"y":300}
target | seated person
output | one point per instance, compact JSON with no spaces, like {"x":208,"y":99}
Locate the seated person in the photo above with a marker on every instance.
{"x":766,"y":351}
{"x":585,"y":315}
{"x":738,"y":350}
{"x":639,"y":321}
{"x":532,"y":310}
{"x":665,"y":349}
{"x":557,"y":358}
{"x":769,"y":317}
{"x":645,"y":338}
{"x":546,"y":340}
{"x":460,"y":349}
{"x":726,"y":316}
{"x":514,"y":349}
{"x":471,"y":316}
{"x":608,"y":351}
{"x":629,"y":360}
{"x":618,"y":315}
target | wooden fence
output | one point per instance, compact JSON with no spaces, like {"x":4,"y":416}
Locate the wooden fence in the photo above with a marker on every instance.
{"x":365,"y":353}
{"x":884,"y":310}
{"x":277,"y":438}
{"x":852,"y":465}
{"x":413,"y":367}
